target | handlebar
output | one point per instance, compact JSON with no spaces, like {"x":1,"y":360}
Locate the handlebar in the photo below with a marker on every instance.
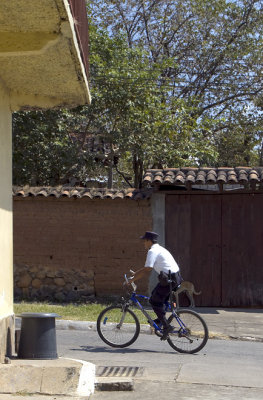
{"x":127,"y":279}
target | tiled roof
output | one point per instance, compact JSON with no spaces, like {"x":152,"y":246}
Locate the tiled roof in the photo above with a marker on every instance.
{"x":80,"y":192}
{"x":188,"y":177}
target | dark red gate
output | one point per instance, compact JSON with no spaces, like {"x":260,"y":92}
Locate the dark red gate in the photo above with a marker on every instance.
{"x":242,"y":245}
{"x":217,"y":240}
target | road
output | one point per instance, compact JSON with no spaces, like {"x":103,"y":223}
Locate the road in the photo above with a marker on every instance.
{"x":224,"y":369}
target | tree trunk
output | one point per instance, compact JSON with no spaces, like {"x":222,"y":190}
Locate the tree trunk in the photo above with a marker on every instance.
{"x":110,"y":177}
{"x":138,"y":171}
{"x":261,"y":155}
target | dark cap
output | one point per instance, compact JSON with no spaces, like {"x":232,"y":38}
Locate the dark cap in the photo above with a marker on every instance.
{"x":150,"y":236}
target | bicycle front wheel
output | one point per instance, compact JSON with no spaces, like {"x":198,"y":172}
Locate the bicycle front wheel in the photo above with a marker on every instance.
{"x":118,"y":327}
{"x":190,"y":332}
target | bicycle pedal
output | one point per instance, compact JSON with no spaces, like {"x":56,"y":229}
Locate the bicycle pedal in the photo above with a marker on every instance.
{"x":166,"y":332}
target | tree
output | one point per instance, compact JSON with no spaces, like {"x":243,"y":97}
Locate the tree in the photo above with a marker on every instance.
{"x":214,"y":47}
{"x":48,"y":148}
{"x":172,"y":83}
{"x":213,"y":44}
{"x":240,"y":142}
{"x":146,"y":125}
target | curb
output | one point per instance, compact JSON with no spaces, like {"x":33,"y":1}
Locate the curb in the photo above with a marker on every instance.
{"x":114,"y":384}
{"x":82,"y":325}
{"x":65,"y":324}
{"x":91,"y":326}
{"x":144,"y":328}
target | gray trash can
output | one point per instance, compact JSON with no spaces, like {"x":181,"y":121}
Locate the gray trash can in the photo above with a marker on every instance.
{"x":38,"y":336}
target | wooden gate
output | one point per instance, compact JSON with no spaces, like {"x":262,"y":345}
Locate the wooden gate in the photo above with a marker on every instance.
{"x":217,"y":240}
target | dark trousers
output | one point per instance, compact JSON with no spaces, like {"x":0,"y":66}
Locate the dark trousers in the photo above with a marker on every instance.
{"x":160,"y":295}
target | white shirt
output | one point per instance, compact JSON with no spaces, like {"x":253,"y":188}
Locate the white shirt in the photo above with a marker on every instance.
{"x":161,"y":259}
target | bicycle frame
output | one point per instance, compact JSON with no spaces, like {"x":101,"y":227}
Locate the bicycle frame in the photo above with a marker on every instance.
{"x":134,"y":299}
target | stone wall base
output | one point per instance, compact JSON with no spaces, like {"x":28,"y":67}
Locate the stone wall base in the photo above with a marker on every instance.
{"x":7,"y":337}
{"x":45,"y":284}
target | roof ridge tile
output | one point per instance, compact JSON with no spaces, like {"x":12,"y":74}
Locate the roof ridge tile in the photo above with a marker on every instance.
{"x":188,"y":176}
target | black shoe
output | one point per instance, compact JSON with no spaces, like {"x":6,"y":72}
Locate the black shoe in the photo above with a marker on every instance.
{"x":166,"y":332}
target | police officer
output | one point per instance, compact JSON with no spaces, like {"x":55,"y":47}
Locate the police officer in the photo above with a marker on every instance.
{"x":162,"y":261}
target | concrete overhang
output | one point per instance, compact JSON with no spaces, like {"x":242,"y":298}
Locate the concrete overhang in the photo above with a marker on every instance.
{"x":40,"y":57}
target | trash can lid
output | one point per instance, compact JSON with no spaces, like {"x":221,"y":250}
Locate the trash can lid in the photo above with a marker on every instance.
{"x":38,"y":315}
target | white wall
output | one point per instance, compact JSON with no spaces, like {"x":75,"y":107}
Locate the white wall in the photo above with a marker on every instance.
{"x":6,"y":218}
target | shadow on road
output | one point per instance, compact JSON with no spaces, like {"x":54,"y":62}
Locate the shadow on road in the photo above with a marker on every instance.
{"x":104,"y":349}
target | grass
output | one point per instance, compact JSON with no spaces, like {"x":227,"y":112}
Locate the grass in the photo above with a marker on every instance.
{"x":77,"y":312}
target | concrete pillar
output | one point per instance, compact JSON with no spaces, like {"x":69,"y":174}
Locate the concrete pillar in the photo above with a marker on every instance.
{"x":6,"y":221}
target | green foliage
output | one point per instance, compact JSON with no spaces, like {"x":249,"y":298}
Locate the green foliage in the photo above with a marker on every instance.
{"x":240,"y":141}
{"x":147,"y":125}
{"x":48,"y":148}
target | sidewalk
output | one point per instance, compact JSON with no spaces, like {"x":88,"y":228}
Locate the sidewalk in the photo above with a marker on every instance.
{"x":234,"y":323}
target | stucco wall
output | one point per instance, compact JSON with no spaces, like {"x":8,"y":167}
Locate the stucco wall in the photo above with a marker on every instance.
{"x":7,"y":337}
{"x":6,"y":239}
{"x":40,"y":56}
{"x":71,"y":249}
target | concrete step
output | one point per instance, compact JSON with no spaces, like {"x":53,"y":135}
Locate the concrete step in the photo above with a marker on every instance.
{"x":61,"y":376}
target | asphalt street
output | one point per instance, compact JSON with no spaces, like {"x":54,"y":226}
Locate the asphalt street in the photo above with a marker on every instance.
{"x":229,"y":367}
{"x":224,"y":369}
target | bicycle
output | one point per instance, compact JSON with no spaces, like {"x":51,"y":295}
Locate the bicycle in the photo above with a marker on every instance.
{"x":118,"y":326}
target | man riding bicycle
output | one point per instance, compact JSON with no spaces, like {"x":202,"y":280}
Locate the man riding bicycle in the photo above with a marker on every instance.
{"x":162,"y":261}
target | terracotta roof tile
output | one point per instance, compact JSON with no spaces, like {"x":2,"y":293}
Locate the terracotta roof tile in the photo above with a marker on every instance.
{"x":254,"y":176}
{"x":204,"y":176}
{"x":80,"y":192}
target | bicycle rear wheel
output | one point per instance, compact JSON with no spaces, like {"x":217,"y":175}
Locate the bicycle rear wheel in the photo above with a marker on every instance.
{"x":118,"y":327}
{"x":190,"y":332}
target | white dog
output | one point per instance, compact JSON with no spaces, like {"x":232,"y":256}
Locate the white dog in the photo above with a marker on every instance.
{"x":189,"y":289}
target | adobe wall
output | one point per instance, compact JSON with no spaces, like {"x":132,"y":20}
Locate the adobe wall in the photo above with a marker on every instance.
{"x":69,"y":249}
